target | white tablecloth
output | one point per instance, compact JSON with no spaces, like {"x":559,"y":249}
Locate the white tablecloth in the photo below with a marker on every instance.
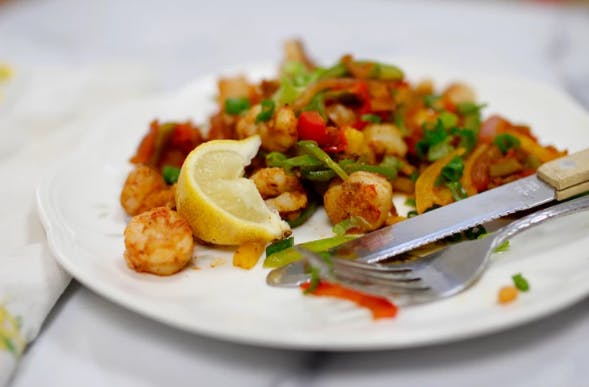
{"x":88,"y":340}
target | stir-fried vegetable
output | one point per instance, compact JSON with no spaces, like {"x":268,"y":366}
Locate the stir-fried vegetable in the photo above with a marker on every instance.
{"x":319,"y":125}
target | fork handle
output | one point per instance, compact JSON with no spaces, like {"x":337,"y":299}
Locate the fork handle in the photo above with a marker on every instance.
{"x":562,"y":209}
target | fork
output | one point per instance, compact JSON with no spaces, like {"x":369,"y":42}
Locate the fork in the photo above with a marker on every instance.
{"x":437,"y":275}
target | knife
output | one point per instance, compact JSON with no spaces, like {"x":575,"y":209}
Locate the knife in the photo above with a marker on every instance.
{"x":559,"y":179}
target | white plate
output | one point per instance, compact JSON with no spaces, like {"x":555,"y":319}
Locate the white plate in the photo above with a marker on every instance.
{"x":79,"y":207}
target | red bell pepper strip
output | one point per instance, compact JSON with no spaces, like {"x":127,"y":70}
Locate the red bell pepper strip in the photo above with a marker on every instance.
{"x":380,"y":307}
{"x":311,"y":126}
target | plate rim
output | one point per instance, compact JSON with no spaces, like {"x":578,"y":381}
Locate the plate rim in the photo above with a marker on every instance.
{"x":56,"y":231}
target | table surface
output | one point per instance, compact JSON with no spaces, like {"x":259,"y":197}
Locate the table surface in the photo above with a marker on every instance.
{"x":88,"y":340}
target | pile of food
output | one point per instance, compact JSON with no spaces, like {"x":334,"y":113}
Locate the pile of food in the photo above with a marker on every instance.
{"x":344,"y":138}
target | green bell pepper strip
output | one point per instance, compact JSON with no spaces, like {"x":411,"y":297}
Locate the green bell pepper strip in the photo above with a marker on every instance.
{"x":280,"y":245}
{"x":311,"y":148}
{"x":305,"y":214}
{"x":290,"y":255}
{"x":318,"y":174}
{"x":277,"y":159}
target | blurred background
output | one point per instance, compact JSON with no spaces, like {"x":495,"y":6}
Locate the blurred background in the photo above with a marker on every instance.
{"x":179,"y":40}
{"x":64,"y":62}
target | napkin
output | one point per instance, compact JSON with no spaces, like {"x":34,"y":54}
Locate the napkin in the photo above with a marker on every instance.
{"x":43,"y":113}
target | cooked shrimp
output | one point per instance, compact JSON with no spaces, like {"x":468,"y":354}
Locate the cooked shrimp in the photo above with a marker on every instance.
{"x":272,"y":182}
{"x":458,"y":93}
{"x":158,"y":241}
{"x":385,"y":139}
{"x":362,"y":194}
{"x":282,"y":131}
{"x":234,"y":87}
{"x":162,"y":198}
{"x":142,"y":182}
{"x":278,"y":134}
{"x":288,"y":202}
{"x":246,"y":124}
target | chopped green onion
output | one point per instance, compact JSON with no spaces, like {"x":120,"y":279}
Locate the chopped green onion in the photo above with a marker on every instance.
{"x":520,"y":282}
{"x":236,"y":106}
{"x":448,"y":119}
{"x":410,"y":202}
{"x":503,"y":247}
{"x":414,"y":176}
{"x":311,"y":148}
{"x":280,"y":245}
{"x":345,"y":225}
{"x":439,"y":150}
{"x":458,"y":192}
{"x":170,"y":174}
{"x":468,"y":137}
{"x":471,"y":113}
{"x":435,"y":142}
{"x":371,"y":118}
{"x":289,"y":255}
{"x":505,"y":142}
{"x":453,"y":170}
{"x":267,"y":111}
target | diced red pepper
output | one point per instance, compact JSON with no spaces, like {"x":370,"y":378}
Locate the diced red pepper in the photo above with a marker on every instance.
{"x":337,"y":140}
{"x":379,"y":306}
{"x":311,"y":126}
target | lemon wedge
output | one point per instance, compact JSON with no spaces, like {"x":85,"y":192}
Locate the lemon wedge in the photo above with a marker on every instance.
{"x":221,"y":205}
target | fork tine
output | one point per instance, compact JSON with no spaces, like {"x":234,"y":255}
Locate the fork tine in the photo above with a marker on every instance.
{"x":383,"y":283}
{"x":416,"y":285}
{"x":392,"y":268}
{"x":409,"y":277}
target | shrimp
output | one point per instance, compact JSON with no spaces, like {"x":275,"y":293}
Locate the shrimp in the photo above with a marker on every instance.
{"x":158,"y":241}
{"x":385,"y":139}
{"x":282,"y":191}
{"x":278,"y":134}
{"x":458,"y":93}
{"x":142,"y":182}
{"x":288,"y":202}
{"x":362,"y":194}
{"x":271,"y":182}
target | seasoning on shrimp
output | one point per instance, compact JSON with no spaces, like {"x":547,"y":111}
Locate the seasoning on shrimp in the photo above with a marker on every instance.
{"x":144,"y":189}
{"x":158,"y":241}
{"x":362,"y":194}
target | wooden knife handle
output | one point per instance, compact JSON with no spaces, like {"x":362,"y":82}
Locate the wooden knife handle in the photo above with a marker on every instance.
{"x":568,"y":175}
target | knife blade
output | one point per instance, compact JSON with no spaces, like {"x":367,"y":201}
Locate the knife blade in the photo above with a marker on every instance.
{"x":556,"y":180}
